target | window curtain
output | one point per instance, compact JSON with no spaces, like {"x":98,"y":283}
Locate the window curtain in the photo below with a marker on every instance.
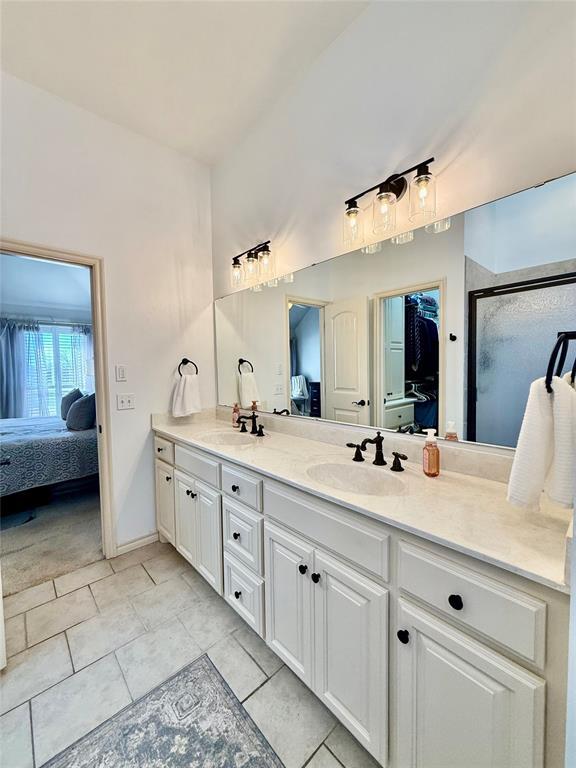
{"x":39,"y":372}
{"x":83,"y":356}
{"x":12,"y":369}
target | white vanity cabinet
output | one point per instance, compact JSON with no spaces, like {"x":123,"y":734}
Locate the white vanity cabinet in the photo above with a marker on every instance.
{"x":460,"y":704}
{"x":164,"y":479}
{"x":329,"y":623}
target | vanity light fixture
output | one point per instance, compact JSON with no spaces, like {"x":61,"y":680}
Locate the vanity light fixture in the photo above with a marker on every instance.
{"x":251,"y":263}
{"x":390,"y":192}
{"x":237,"y":272}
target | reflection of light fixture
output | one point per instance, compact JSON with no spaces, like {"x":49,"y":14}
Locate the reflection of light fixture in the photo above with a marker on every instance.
{"x":422,"y":195}
{"x":390,"y":192}
{"x":256,"y":288}
{"x":272,"y":283}
{"x":289,"y":278}
{"x":372,"y":248}
{"x":438,"y":226}
{"x":405,"y":237}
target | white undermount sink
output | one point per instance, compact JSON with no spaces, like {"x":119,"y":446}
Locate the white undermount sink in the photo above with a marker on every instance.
{"x":227,"y":438}
{"x":369,"y":481}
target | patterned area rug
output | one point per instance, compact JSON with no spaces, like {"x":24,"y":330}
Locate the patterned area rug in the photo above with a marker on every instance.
{"x":192,"y":720}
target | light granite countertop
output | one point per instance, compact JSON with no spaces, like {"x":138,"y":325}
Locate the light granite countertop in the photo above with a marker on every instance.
{"x":465,"y":513}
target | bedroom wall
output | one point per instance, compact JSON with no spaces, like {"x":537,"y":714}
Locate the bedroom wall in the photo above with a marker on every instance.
{"x":71,"y":180}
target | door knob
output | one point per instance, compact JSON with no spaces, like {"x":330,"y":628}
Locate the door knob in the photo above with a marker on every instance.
{"x":315,"y":578}
{"x":403,"y":635}
{"x":302,"y":568}
{"x":456,"y":602}
{"x":236,"y":535}
{"x":237,"y":594}
{"x":360,"y":402}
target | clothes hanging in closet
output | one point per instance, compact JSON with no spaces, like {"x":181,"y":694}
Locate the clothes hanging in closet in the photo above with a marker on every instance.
{"x":421,"y":336}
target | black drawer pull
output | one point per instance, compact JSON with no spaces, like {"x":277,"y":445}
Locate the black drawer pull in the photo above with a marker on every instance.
{"x":191,"y":493}
{"x":315,"y":578}
{"x":237,"y":594}
{"x":159,"y":450}
{"x":235,"y":488}
{"x":236,"y":535}
{"x":302,"y":568}
{"x":403,"y":635}
{"x":456,"y":602}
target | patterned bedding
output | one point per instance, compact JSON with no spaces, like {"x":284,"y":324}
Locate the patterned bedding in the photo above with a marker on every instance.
{"x":41,"y":451}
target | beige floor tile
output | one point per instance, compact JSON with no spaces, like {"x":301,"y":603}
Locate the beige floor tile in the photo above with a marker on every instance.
{"x":323,"y":759}
{"x":199,"y":584}
{"x":162,"y":602}
{"x":348,"y":751}
{"x":75,"y":706}
{"x":56,"y":616}
{"x":167,"y":566}
{"x":239,"y":670}
{"x":15,"y":635}
{"x":28,"y":599}
{"x":97,"y":637}
{"x":293,"y":720}
{"x":210,"y":619}
{"x":154,"y":657}
{"x":257,"y":648}
{"x":33,"y":671}
{"x":16,"y":738}
{"x":140,"y":555}
{"x":121,"y":586}
{"x":82,"y":577}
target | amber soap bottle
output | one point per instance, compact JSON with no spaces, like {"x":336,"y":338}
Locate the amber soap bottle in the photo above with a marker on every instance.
{"x":431,"y":455}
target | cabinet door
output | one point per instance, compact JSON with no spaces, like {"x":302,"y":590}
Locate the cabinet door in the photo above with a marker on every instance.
{"x":186,"y":506}
{"x":461,"y":704}
{"x":209,"y":535}
{"x":289,"y":599}
{"x":351,"y":640}
{"x":164,"y":474}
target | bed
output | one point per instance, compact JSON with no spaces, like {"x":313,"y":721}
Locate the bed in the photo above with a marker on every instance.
{"x":42,"y":451}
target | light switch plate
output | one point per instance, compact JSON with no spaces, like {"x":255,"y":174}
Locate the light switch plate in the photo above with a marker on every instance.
{"x":125,"y":402}
{"x":120,"y":373}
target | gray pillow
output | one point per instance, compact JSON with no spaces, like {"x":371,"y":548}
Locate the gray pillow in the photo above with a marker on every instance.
{"x":82,"y":413}
{"x":67,"y":401}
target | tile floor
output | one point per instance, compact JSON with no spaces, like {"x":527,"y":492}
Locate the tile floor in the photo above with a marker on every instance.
{"x":85,"y":645}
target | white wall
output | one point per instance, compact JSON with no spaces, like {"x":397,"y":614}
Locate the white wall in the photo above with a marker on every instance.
{"x":71,"y":180}
{"x":487,"y":88}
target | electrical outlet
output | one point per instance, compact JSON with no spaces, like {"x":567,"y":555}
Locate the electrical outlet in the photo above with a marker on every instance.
{"x":125,"y":402}
{"x":279,"y":369}
{"x":120,"y":373}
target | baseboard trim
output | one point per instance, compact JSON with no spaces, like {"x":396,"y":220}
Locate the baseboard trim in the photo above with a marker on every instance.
{"x":121,"y":549}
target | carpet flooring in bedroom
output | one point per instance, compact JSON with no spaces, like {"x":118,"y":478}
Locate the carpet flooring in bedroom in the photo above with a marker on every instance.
{"x":63,"y":536}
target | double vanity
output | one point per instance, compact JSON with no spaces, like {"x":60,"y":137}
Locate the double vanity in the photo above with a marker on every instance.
{"x":405,"y":603}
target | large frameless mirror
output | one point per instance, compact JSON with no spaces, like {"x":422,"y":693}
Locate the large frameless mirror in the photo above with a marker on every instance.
{"x":445,"y":330}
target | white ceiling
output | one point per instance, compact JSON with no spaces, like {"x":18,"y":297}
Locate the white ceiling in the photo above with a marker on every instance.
{"x":193,"y":76}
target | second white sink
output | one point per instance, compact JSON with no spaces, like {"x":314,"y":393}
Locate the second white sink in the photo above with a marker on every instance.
{"x":370,"y":481}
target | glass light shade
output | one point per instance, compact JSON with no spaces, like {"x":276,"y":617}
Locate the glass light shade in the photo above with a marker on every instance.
{"x":422,"y":197}
{"x":438,"y":226}
{"x":266,"y":262}
{"x":237,"y":275}
{"x":405,"y":237}
{"x":384,"y":212}
{"x":289,"y":278}
{"x":353,"y":230}
{"x":251,"y":267}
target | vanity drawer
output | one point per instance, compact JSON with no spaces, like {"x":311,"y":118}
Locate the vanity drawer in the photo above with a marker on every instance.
{"x":346,"y":533}
{"x":511,"y":618}
{"x":245,"y":593}
{"x":242,"y":486}
{"x":164,"y":449}
{"x":243,"y":533}
{"x":198,"y":465}
{"x":398,"y":417}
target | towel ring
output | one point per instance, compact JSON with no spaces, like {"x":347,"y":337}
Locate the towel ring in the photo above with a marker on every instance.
{"x":241,"y":361}
{"x":185,"y":361}
{"x":561,"y":347}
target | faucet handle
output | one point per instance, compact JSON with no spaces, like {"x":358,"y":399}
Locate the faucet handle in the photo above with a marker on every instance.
{"x":243,"y":427}
{"x":358,"y":452}
{"x":260,"y":432}
{"x":396,"y":465}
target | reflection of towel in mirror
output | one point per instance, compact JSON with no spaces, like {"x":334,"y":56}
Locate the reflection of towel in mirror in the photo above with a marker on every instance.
{"x":298,"y":387}
{"x":545,"y":457}
{"x":248,"y":389}
{"x":186,"y":395}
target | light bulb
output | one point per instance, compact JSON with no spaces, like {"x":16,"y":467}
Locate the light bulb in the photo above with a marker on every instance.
{"x":352,"y":233}
{"x":251,"y":265}
{"x":422,"y":196}
{"x":236,"y":272}
{"x":384,"y":211}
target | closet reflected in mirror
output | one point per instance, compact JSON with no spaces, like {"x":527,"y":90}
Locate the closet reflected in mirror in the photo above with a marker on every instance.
{"x":449,"y":328}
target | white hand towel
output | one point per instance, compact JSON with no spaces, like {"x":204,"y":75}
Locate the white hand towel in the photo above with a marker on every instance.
{"x":186,"y":395}
{"x":248,"y":389}
{"x":298,"y":387}
{"x":545,"y":457}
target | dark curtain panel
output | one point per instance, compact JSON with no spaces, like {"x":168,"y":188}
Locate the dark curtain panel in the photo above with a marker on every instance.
{"x":12,"y":372}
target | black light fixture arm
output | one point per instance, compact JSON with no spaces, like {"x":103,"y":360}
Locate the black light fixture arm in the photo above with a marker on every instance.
{"x":255,"y":249}
{"x":421,"y":167}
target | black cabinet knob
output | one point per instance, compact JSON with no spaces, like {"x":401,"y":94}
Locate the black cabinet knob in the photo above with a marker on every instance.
{"x":168,"y":478}
{"x":159,"y":450}
{"x":315,"y":578}
{"x":191,"y":493}
{"x":236,"y":535}
{"x":403,"y":635}
{"x":237,"y":594}
{"x":235,"y":488}
{"x":302,"y":568}
{"x":456,"y":602}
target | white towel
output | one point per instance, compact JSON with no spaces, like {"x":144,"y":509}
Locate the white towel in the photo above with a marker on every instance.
{"x":545,"y":456}
{"x":248,"y":389}
{"x":298,"y":387}
{"x":186,"y":395}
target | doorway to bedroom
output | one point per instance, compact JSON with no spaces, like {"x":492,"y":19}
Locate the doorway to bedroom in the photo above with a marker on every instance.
{"x":50,"y":516}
